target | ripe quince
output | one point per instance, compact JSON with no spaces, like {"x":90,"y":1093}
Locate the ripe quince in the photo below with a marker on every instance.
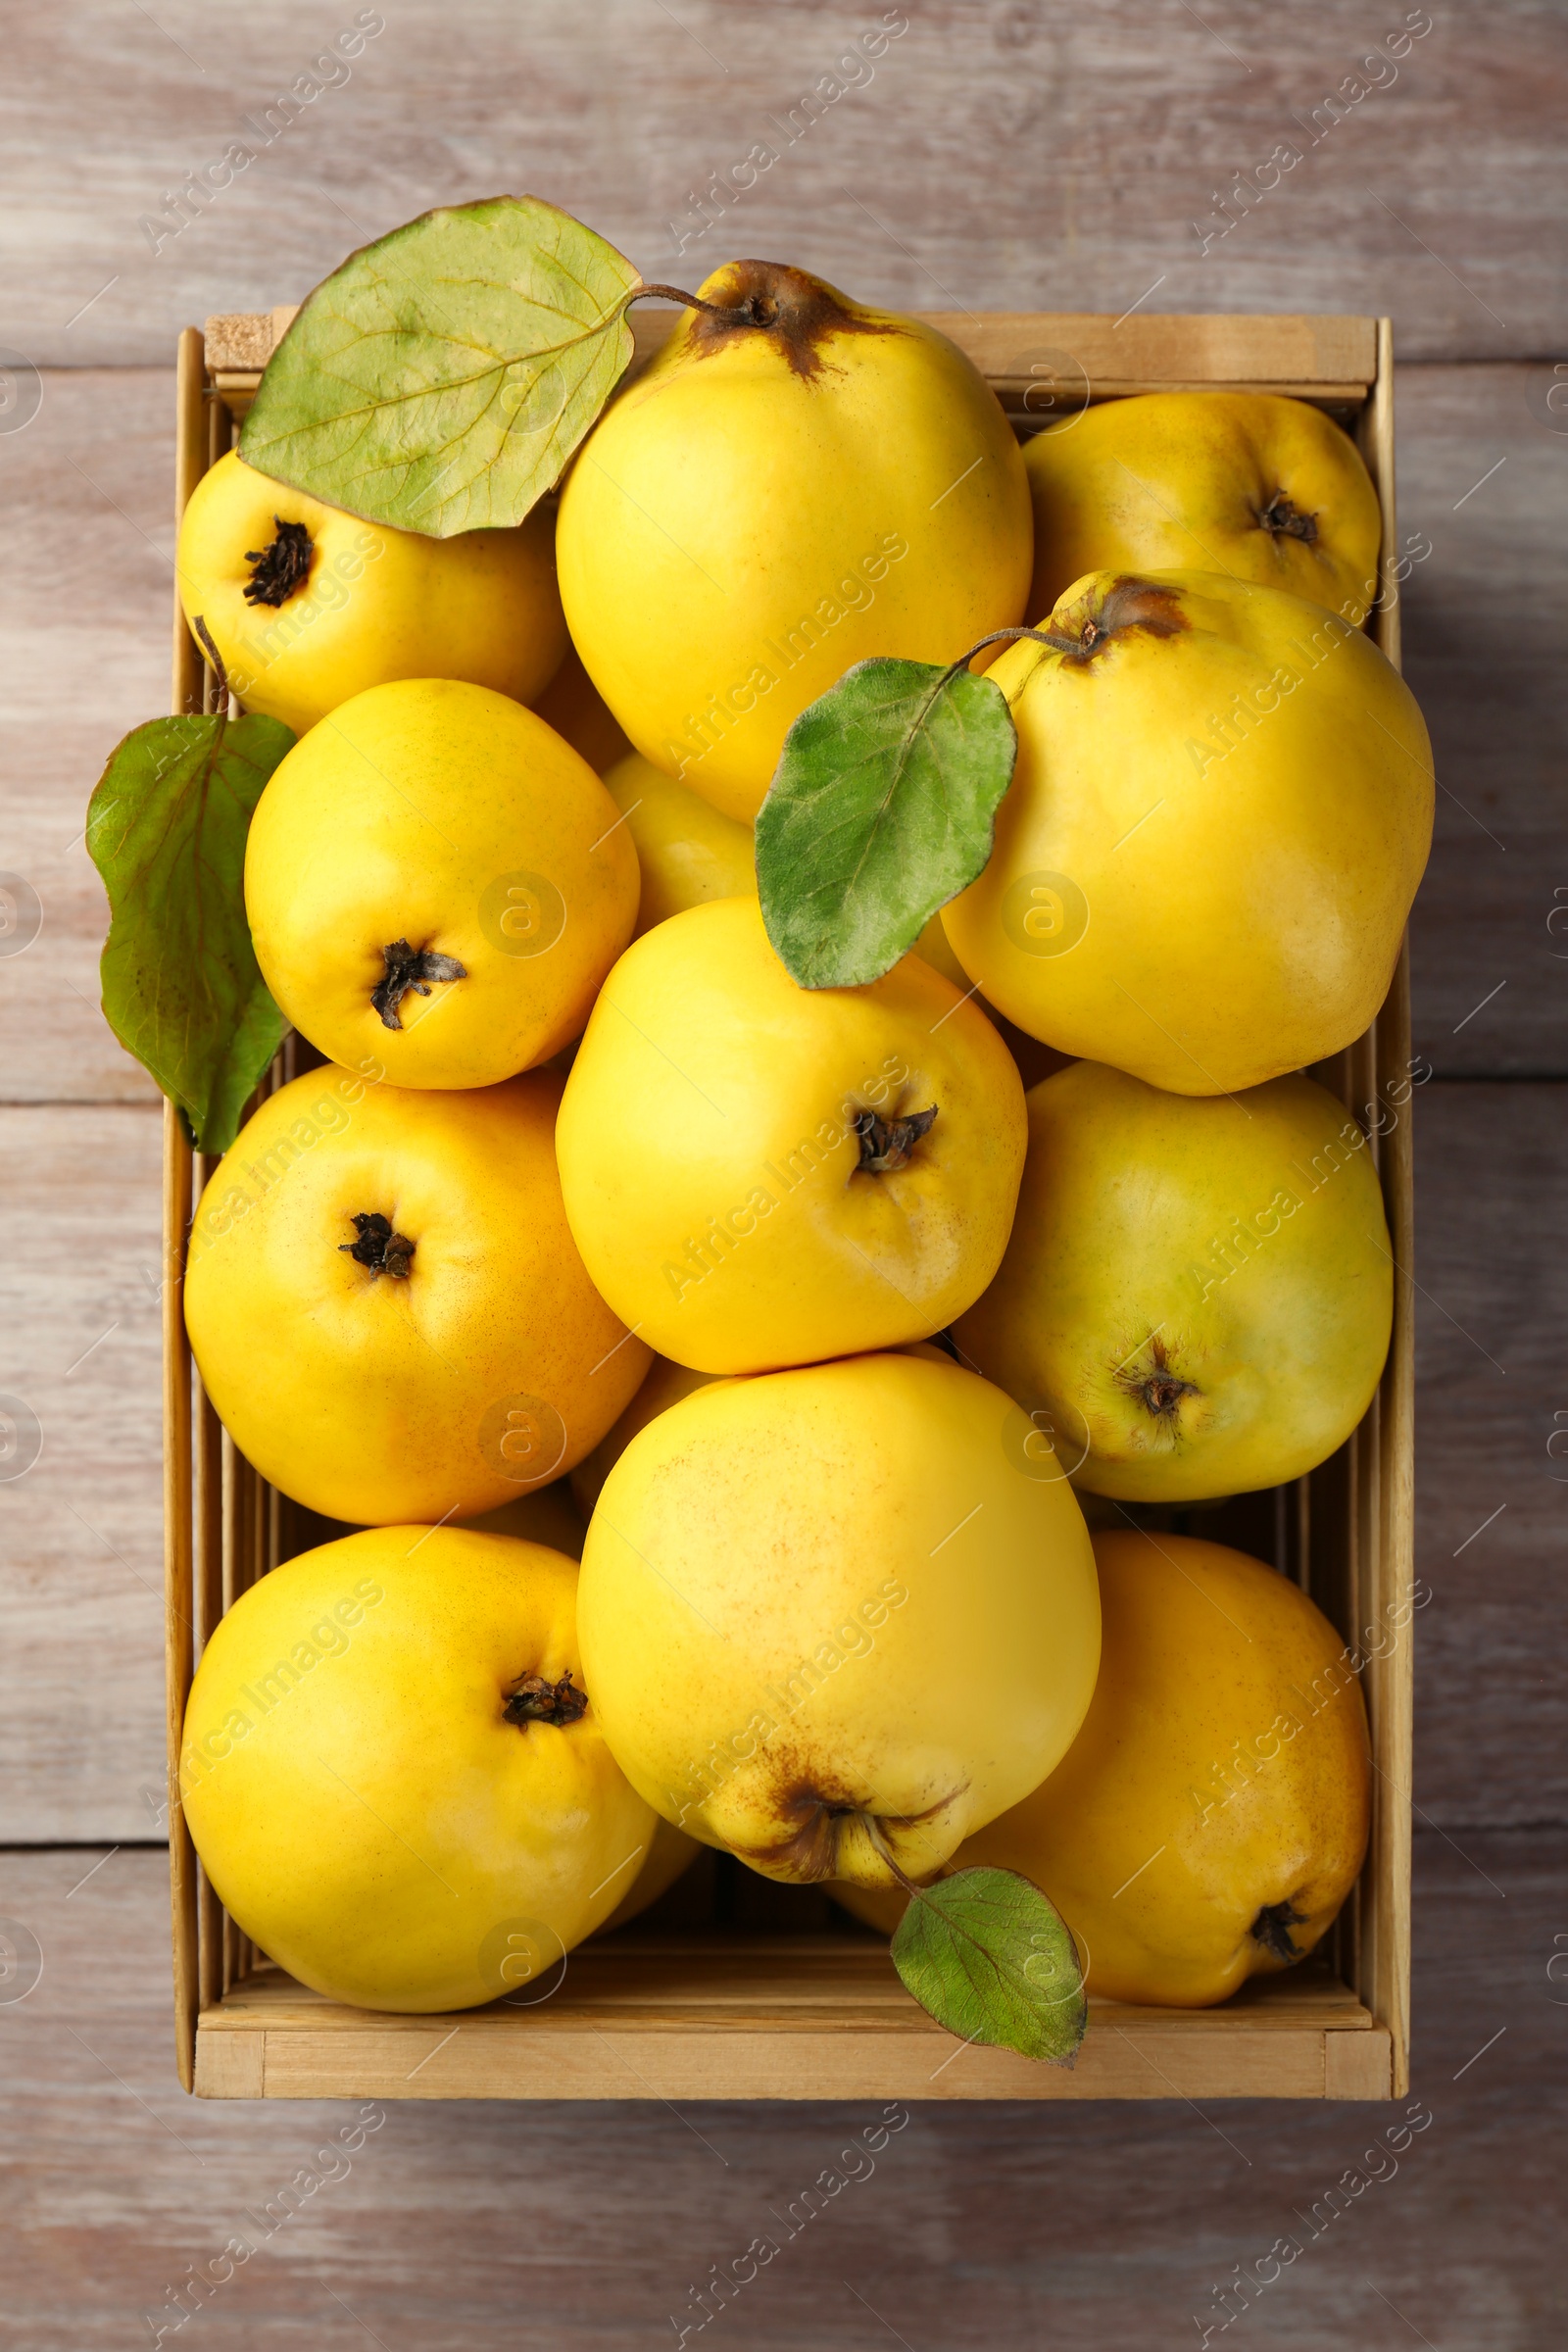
{"x":1250,"y":483}
{"x":687,"y":851}
{"x":395,"y":1777}
{"x":794,"y":485}
{"x":832,"y":1616}
{"x":437,"y":885}
{"x":386,"y":1306}
{"x":759,"y":1174}
{"x":1198,"y":1294}
{"x":1212,"y":1814}
{"x":1220,"y":810}
{"x":309,"y":606}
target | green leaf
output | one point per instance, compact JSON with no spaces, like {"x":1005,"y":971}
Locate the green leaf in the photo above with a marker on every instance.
{"x":882,"y":808}
{"x":441,"y":379}
{"x":994,"y":1961}
{"x":166,"y":829}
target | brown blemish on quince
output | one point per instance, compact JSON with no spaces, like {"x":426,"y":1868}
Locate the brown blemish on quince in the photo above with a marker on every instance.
{"x":795,"y":310}
{"x":812,"y":1852}
{"x":1128,"y":603}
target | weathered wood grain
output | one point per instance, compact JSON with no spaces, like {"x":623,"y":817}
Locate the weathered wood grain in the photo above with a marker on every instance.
{"x":465,"y":2226}
{"x":81,"y":1749}
{"x":1492,"y":1662}
{"x":1484,"y":484}
{"x":798,"y":2018}
{"x":1040,"y":156}
{"x":1334,"y":359}
{"x":84,"y":596}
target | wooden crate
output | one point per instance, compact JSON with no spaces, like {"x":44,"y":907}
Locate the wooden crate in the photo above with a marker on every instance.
{"x":719,"y":2013}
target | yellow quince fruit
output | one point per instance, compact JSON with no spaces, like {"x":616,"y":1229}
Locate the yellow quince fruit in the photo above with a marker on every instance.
{"x":395,"y":1777}
{"x":1198,"y":1292}
{"x":687,"y":851}
{"x":1220,"y":810}
{"x":1212,"y":1814}
{"x":309,"y":606}
{"x":833,"y":1620}
{"x":759,"y":1174}
{"x":437,"y":885}
{"x":793,"y":485}
{"x":386,"y":1306}
{"x":1266,"y":489}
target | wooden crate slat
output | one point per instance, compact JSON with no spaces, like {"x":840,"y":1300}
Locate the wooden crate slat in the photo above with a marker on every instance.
{"x":793,"y":2017}
{"x":1193,"y":2055}
{"x":1330,"y":360}
{"x":1158,"y":347}
{"x":794,"y":1976}
{"x":180,"y":1638}
{"x":1388,"y":1533}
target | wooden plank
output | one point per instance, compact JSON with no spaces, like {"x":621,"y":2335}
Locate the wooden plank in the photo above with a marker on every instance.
{"x":192,"y":1457}
{"x":1359,"y":2066}
{"x":1018,"y":156}
{"x":191,"y":461}
{"x":635,"y":1981}
{"x":1333,"y":355}
{"x":179,"y":1596}
{"x":1384,"y":1971}
{"x":231,"y":2066}
{"x":192,"y":1473}
{"x":82,"y":1587}
{"x":1373,"y":1937}
{"x":1337,"y":353}
{"x":1484,"y":487}
{"x":456,"y":2224}
{"x":1492,"y":1657}
{"x":85,"y":599}
{"x":792,"y":2017}
{"x":1190,"y":2061}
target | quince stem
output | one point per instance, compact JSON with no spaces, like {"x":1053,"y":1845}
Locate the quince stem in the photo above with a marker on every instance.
{"x":1129,"y":604}
{"x":215,"y":660}
{"x":755,"y":311}
{"x":874,"y":1828}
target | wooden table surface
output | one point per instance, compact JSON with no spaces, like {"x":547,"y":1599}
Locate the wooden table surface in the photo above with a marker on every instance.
{"x":1032,"y":155}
